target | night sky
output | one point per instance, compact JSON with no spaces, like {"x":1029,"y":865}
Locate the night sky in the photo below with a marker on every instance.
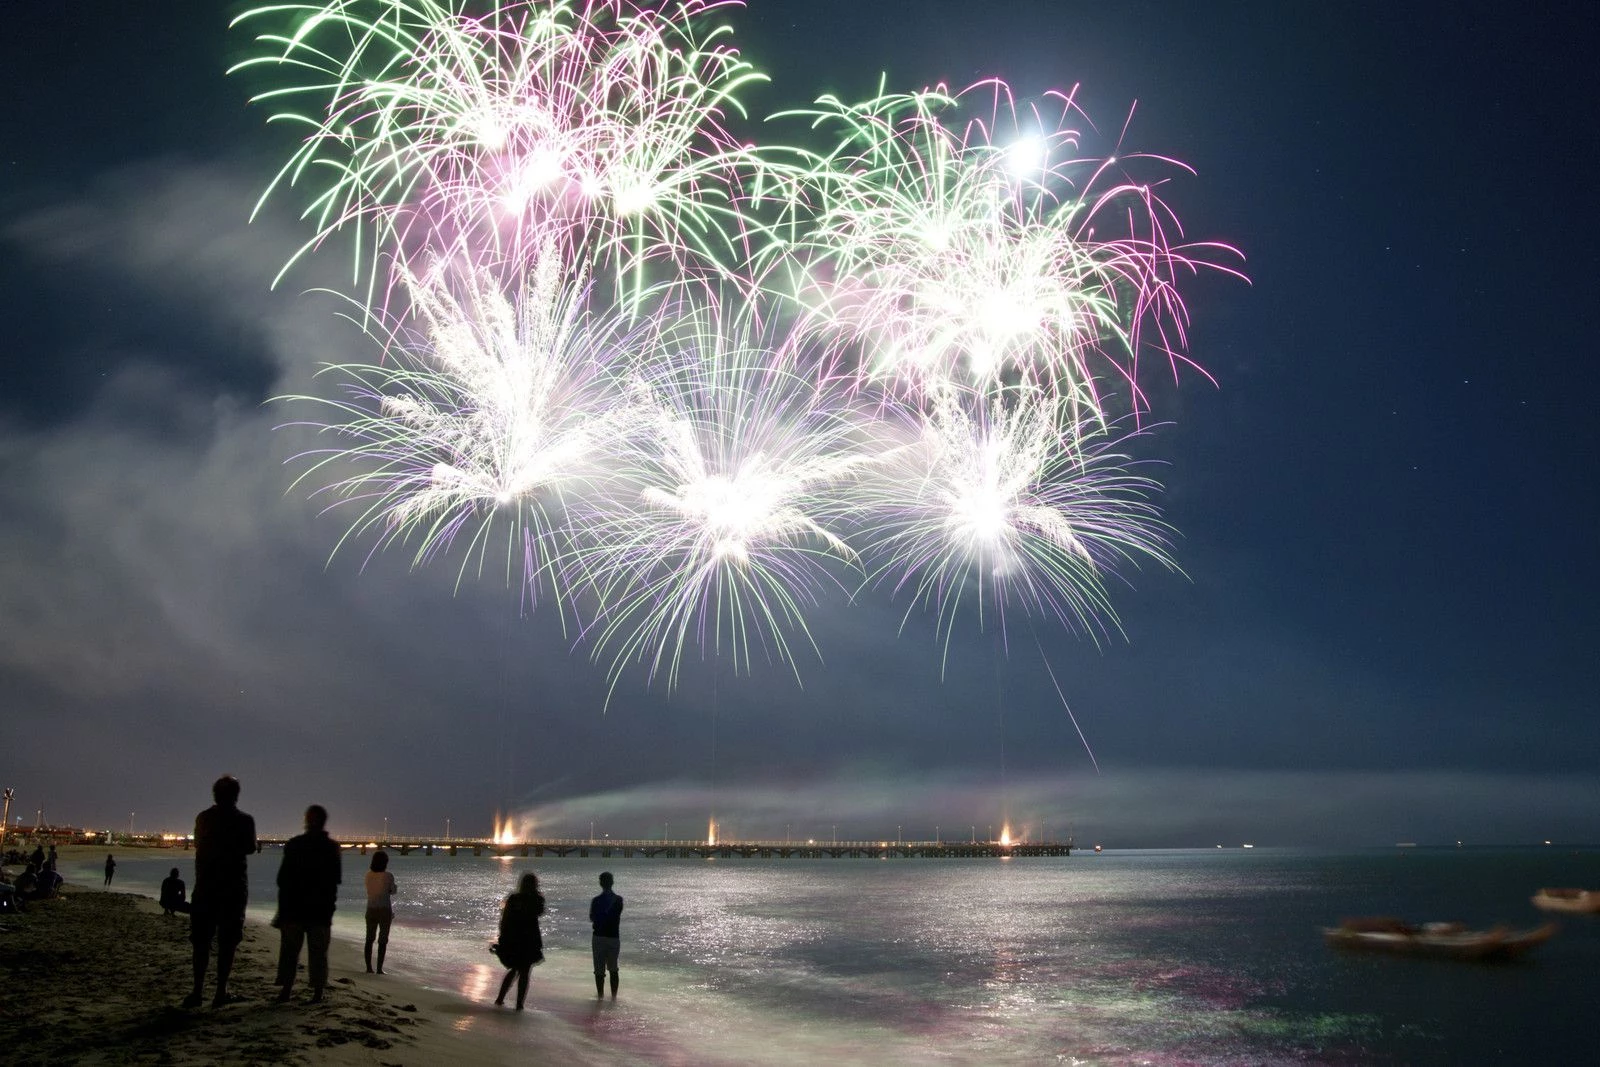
{"x":1388,"y":506}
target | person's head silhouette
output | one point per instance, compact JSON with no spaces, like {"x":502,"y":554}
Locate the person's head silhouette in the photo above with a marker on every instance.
{"x":225,"y":791}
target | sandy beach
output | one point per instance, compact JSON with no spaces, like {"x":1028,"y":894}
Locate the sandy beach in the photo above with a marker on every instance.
{"x":96,"y":977}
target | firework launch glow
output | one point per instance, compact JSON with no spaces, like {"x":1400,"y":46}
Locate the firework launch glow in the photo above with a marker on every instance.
{"x":688,"y":384}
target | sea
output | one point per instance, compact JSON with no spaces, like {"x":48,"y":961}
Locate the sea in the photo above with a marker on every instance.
{"x":1194,"y":957}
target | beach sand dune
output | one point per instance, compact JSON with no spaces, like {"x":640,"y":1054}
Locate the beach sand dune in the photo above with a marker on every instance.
{"x":96,"y":977}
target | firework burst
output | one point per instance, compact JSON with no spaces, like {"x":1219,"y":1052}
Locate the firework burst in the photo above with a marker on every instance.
{"x":692,"y":385}
{"x":490,"y":412}
{"x":992,"y":504}
{"x":735,"y":496}
{"x":431,"y":130}
{"x":985,"y":254}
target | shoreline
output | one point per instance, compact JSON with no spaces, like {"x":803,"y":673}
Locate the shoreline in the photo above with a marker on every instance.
{"x":96,"y":976}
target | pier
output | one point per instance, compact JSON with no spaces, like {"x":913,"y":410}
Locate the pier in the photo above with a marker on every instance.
{"x":607,"y":848}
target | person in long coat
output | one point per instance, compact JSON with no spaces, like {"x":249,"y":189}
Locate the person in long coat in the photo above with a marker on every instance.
{"x":520,"y":945}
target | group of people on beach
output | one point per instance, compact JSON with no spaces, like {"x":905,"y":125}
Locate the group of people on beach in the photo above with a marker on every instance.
{"x":308,"y":885}
{"x":521,"y":945}
{"x":308,"y":888}
{"x":38,"y":880}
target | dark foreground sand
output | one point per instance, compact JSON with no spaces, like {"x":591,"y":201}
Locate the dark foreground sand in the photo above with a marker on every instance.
{"x":96,"y":977}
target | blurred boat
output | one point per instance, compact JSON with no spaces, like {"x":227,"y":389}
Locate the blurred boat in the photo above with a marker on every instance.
{"x":1439,"y":940}
{"x":1567,"y":900}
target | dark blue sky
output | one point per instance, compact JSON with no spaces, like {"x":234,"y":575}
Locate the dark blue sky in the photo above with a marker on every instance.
{"x":1388,"y":503}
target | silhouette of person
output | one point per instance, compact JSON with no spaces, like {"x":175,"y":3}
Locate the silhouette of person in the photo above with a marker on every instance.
{"x":173,"y":894}
{"x":380,"y":907}
{"x":111,"y":867}
{"x":605,"y":911}
{"x":521,"y":945}
{"x":36,"y":857}
{"x":27,"y":887}
{"x":308,"y":885}
{"x":50,"y":861}
{"x":224,"y":838}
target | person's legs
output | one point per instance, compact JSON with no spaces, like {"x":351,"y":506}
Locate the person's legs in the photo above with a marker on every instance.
{"x":317,"y":938}
{"x":606,"y":952}
{"x":522,"y":985}
{"x":201,"y":930}
{"x":384,"y":921}
{"x":505,"y":985}
{"x":372,"y":932}
{"x":230,"y":931}
{"x":290,"y":936}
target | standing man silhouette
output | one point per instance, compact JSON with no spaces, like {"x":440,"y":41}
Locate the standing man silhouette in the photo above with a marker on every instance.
{"x":605,"y":911}
{"x":224,"y":837}
{"x":308,"y":885}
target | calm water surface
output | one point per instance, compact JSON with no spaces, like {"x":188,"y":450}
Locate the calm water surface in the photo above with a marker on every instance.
{"x":1154,"y":957}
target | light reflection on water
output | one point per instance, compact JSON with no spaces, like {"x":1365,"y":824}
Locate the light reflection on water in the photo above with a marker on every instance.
{"x":1180,"y":957}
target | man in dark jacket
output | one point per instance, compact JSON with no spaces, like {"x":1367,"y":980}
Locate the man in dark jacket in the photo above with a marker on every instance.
{"x":308,"y":885}
{"x":224,"y":837}
{"x":605,"y":911}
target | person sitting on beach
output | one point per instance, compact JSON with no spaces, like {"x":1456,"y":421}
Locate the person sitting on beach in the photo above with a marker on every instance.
{"x":520,"y":945}
{"x":224,"y":838}
{"x":35,"y":884}
{"x":27,"y":884}
{"x":308,"y":886}
{"x":380,"y":907}
{"x":173,"y":894}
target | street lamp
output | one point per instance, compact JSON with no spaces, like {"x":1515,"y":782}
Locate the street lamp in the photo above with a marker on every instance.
{"x":447,"y":828}
{"x":386,"y":829}
{"x":836,"y":833}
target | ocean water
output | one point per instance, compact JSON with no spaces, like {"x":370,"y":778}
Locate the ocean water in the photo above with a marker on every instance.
{"x":1127,"y":957}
